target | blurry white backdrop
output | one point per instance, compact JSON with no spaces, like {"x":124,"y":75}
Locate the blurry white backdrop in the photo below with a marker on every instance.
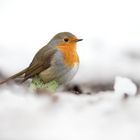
{"x":110,"y":29}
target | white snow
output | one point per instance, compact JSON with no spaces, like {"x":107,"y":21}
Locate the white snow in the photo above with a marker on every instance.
{"x":125,"y":86}
{"x":62,"y":116}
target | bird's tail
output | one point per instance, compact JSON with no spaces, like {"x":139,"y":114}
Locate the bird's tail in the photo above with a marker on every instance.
{"x":14,"y":76}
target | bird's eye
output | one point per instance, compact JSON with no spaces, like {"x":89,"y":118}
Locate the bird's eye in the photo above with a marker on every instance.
{"x":66,"y":39}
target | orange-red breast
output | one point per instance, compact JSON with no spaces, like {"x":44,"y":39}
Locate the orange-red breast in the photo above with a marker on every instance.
{"x":58,"y":60}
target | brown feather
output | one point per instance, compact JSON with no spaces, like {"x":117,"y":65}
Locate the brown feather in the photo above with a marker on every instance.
{"x":14,"y":76}
{"x":40,"y":62}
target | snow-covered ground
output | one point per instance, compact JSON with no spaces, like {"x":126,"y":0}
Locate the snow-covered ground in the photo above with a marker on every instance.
{"x":65,"y":116}
{"x":110,"y":49}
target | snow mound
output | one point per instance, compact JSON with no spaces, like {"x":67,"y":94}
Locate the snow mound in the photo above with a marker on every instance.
{"x":125,"y":86}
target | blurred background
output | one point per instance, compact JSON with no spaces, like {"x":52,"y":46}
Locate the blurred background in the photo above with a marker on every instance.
{"x":110,"y":29}
{"x":111,"y":47}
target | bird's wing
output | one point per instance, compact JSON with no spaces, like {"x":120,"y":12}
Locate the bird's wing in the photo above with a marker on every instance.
{"x":41,"y":61}
{"x":14,"y":76}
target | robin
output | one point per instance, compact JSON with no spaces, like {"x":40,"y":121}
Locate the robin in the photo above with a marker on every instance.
{"x":58,"y":60}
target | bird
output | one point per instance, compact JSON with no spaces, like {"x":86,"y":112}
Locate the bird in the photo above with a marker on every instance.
{"x":58,"y":60}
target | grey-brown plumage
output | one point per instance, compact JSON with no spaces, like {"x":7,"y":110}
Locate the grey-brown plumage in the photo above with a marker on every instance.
{"x":47,"y":61}
{"x":40,"y":62}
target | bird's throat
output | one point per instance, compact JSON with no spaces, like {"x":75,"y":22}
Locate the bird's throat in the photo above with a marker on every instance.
{"x":70,"y":54}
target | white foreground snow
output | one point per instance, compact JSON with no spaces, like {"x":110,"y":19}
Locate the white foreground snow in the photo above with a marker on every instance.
{"x":65,"y":116}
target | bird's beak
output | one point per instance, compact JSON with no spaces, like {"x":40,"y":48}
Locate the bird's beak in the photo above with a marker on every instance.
{"x":77,"y":40}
